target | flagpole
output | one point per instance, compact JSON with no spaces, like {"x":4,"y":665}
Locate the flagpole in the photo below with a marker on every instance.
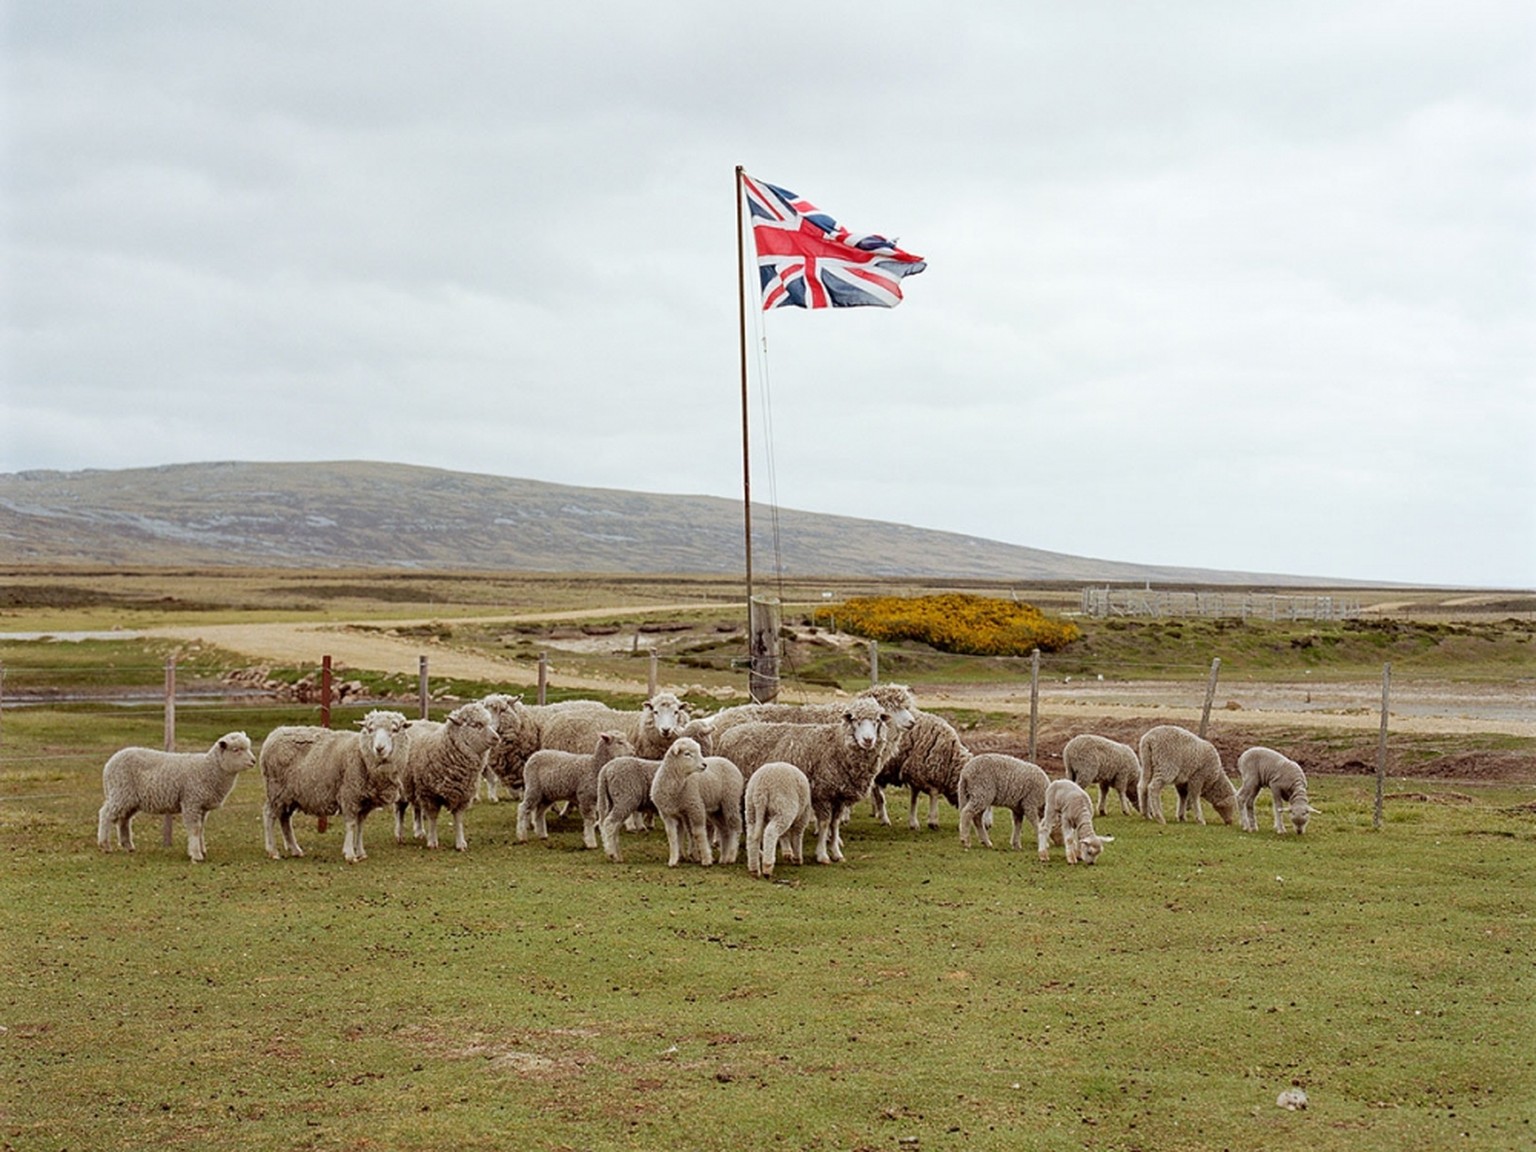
{"x":746,"y":469}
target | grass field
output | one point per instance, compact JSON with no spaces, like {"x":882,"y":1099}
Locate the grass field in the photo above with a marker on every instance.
{"x":916,"y":996}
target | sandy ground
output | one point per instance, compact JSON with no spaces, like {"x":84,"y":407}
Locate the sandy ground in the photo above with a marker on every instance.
{"x":1424,"y":708}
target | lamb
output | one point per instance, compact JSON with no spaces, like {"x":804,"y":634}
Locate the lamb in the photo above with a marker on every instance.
{"x":993,"y":779}
{"x":1171,"y":755}
{"x":778,"y":806}
{"x":552,"y":775}
{"x":1262,"y":768}
{"x":321,"y":771}
{"x":1068,"y":821}
{"x":928,"y":759}
{"x":624,"y":789}
{"x":442,"y":769}
{"x":721,"y":786}
{"x":137,"y":780}
{"x":840,"y":760}
{"x":1090,"y":759}
{"x":675,"y":796}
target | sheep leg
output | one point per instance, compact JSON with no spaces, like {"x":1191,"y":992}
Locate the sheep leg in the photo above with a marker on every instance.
{"x":609,"y":830}
{"x":1069,"y":842}
{"x":1194,"y":801}
{"x":524,"y":817}
{"x":1016,"y":841}
{"x":266,"y":832}
{"x":674,"y":839}
{"x":589,"y":830}
{"x":1043,"y":840}
{"x":165,"y":829}
{"x":352,"y":840}
{"x":429,"y":821}
{"x":399,"y":807}
{"x":193,"y":819}
{"x":285,"y":822}
{"x":877,"y":808}
{"x":773,"y":831}
{"x":730,"y":843}
{"x":826,"y":824}
{"x":460,"y":843}
{"x":701,"y":838}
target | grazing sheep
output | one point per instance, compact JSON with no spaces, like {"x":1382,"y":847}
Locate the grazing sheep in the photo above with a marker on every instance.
{"x":623,"y":792}
{"x":675,"y":796}
{"x":162,"y":783}
{"x":1262,"y":768}
{"x":778,"y":806}
{"x":1090,"y":759}
{"x":928,"y":759}
{"x":321,"y":771}
{"x":840,"y":760}
{"x":993,"y":779}
{"x":574,"y":725}
{"x":443,"y":767}
{"x":552,"y":775}
{"x":1068,"y":821}
{"x":1172,"y":755}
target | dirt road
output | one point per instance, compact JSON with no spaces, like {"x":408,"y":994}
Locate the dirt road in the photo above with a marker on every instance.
{"x":1414,"y":707}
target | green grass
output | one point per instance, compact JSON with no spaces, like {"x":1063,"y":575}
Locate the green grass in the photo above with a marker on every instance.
{"x":536,"y":996}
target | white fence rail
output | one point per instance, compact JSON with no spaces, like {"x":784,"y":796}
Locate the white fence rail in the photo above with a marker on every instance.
{"x":1106,"y":601}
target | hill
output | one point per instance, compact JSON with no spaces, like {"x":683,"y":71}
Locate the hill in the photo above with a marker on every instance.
{"x":362,"y":514}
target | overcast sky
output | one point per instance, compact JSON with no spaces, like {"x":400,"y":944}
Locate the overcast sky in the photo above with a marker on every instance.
{"x":1228,"y":284}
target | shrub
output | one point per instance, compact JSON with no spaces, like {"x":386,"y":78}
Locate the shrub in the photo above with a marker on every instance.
{"x":958,"y":622}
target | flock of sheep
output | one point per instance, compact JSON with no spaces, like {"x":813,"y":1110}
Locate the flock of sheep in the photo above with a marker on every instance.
{"x":762,"y":772}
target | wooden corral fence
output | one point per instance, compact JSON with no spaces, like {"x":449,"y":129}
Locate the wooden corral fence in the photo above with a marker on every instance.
{"x":1107,"y":601}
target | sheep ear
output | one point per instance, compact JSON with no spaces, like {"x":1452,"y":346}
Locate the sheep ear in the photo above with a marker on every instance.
{"x":1314,"y":811}
{"x":1107,"y":839}
{"x":223,"y":744}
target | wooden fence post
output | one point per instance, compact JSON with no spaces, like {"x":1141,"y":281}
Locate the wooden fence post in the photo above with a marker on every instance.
{"x":1381,"y":744}
{"x":1034,"y":700}
{"x":763,"y":618}
{"x":170,"y":703}
{"x":650,"y":679}
{"x":543,"y":676}
{"x":325,"y":691}
{"x":1210,"y":694}
{"x":421,"y":686}
{"x":874,"y":662}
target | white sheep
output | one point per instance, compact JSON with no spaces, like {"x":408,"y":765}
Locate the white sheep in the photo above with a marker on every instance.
{"x":675,"y":796}
{"x":840,"y":760}
{"x":162,"y":783}
{"x":778,"y":807}
{"x":1090,"y":759}
{"x":623,"y":792}
{"x":995,"y":780}
{"x":1068,"y":821}
{"x":721,"y":786}
{"x":928,"y":759}
{"x":573,"y":725}
{"x":1172,"y":755}
{"x":1262,"y":768}
{"x":552,"y":775}
{"x":322,"y":771}
{"x":443,"y":767}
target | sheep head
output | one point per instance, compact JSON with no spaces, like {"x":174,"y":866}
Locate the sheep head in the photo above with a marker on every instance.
{"x":1301,"y":812}
{"x":381,"y":731}
{"x":1089,"y":847}
{"x":684,"y":756}
{"x":666,"y":713}
{"x":234,"y":750}
{"x":866,"y":723}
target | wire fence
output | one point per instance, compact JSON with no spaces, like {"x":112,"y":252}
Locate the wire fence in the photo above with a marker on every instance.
{"x":1107,"y":601}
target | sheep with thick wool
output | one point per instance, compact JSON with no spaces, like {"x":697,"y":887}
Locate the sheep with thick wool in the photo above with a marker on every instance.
{"x":443,"y":765}
{"x":1068,"y":821}
{"x":778,"y":807}
{"x":135,"y":780}
{"x":840,"y":760}
{"x":1089,"y":759}
{"x":1173,"y":755}
{"x":552,"y":775}
{"x":573,"y":725}
{"x":323,"y":771}
{"x":996,"y":780}
{"x":928,"y":759}
{"x":1262,"y":768}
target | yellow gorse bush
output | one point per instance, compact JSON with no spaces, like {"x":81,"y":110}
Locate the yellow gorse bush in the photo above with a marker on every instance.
{"x":957,"y":622}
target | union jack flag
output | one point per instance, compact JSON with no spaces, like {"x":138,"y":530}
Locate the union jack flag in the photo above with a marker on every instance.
{"x":806,"y":259}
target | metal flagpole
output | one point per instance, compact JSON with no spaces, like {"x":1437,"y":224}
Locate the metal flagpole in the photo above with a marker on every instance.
{"x":746,"y":469}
